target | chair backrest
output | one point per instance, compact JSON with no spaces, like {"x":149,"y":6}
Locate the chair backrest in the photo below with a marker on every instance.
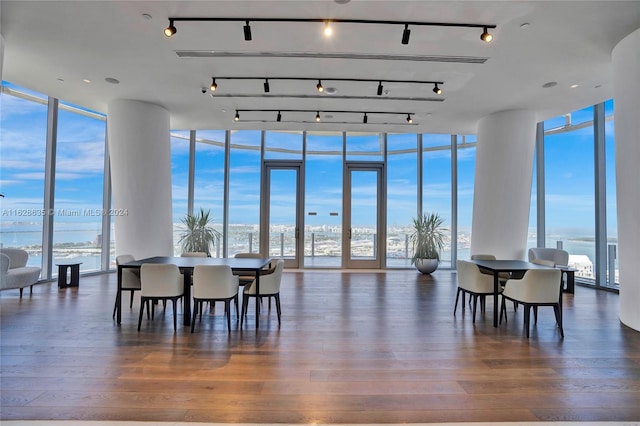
{"x":214,"y":282}
{"x":483,"y":257}
{"x":544,"y":262}
{"x":130,"y":277}
{"x":270,"y":283}
{"x":536,"y":286}
{"x":193,"y":254}
{"x":17,"y":257}
{"x":558,"y":256}
{"x":161,"y":280}
{"x":248,"y":255}
{"x":470,"y":278}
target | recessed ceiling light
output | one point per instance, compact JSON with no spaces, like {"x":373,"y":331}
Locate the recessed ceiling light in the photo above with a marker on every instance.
{"x":61,"y":80}
{"x":524,"y":25}
{"x":112,"y":80}
{"x":147,"y":17}
{"x":550,"y":84}
{"x":330,"y":90}
{"x":573,"y":86}
{"x":86,"y":80}
{"x":342,"y":1}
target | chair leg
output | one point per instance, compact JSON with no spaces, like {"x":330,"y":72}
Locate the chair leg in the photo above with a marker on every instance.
{"x":142,"y":303}
{"x":455,"y":307}
{"x":175,"y":314}
{"x":227,"y":308}
{"x":503,"y":310}
{"x":245,"y":301}
{"x":21,"y":292}
{"x":115,"y":307}
{"x":30,"y":290}
{"x":527,"y":318}
{"x":475,"y":304}
{"x":277,"y":297}
{"x":556,"y":310}
{"x":535,"y":314}
{"x":195,"y":313}
{"x":235,"y":299}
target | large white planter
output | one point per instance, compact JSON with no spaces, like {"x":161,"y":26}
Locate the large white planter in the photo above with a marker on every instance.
{"x":427,"y":266}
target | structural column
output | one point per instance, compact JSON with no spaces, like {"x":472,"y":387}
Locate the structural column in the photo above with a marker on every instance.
{"x":502,"y":192}
{"x":139,"y":147}
{"x":626,"y":85}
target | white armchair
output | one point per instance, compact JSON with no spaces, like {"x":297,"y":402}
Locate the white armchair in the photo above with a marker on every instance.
{"x":14,"y":272}
{"x":559,"y":257}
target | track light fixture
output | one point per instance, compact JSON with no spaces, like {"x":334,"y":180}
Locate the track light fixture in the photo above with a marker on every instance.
{"x":247,"y":31}
{"x":406,"y":34}
{"x":320,"y":87}
{"x":328,"y":31}
{"x":170,"y":30}
{"x":318,"y":118}
{"x":214,"y":85}
{"x":486,"y":36}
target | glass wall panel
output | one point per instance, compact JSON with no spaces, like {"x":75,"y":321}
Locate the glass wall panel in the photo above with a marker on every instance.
{"x":283,"y":145}
{"x":23,"y":125}
{"x":208,"y":191}
{"x":436,"y":184}
{"x":532,"y":233}
{"x":612,"y":218}
{"x":466,"y":178}
{"x":244,"y":192}
{"x":179,"y":183}
{"x":365,"y":146}
{"x":569,"y":187}
{"x":77,"y":225}
{"x":323,"y":200}
{"x":402,"y":196}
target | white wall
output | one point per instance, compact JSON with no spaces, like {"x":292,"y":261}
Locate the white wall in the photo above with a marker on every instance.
{"x":502,"y":193}
{"x":626,"y":78}
{"x":139,"y":147}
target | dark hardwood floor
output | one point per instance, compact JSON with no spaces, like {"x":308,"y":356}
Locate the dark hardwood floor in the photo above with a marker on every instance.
{"x":361,"y":347}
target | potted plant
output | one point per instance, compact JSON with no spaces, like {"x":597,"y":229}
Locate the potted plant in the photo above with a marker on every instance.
{"x":199,"y":235}
{"x":427,"y":240}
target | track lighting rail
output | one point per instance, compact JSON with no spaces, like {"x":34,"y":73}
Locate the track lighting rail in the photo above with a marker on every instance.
{"x":409,"y":115}
{"x":486,"y":36}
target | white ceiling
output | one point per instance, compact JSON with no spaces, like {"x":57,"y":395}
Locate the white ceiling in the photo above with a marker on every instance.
{"x":568,"y":42}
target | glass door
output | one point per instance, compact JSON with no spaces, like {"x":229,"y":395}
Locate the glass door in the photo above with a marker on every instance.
{"x":364,"y":233}
{"x":281,"y":215}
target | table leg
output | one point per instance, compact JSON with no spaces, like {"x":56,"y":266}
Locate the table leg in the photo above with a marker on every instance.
{"x":257,"y":298}
{"x":119,"y":297}
{"x":496,"y":286}
{"x":186,"y":303}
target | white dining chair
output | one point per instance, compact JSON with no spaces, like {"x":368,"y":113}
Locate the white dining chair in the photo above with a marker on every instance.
{"x":214,"y":283}
{"x":538,"y":287}
{"x":473,"y":282}
{"x":269,"y":287}
{"x":130,"y":279}
{"x":160,"y":282}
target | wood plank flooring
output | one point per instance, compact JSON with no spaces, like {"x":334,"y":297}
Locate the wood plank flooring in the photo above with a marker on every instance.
{"x":365,"y":347}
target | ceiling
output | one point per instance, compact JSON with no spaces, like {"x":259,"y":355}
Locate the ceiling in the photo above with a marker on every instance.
{"x":52,"y":46}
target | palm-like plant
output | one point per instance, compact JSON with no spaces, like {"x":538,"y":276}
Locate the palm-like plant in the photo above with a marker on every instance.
{"x":199,"y":235}
{"x":427,"y":237}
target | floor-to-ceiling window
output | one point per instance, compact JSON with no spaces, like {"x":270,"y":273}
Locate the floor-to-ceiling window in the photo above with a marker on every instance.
{"x":436,"y":184}
{"x":208,"y":190}
{"x":79,"y":175}
{"x":402,"y":190}
{"x":244,"y":192}
{"x":569,"y":187}
{"x":179,"y":183}
{"x":23,"y":123}
{"x":611,"y":204}
{"x":466,"y":177}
